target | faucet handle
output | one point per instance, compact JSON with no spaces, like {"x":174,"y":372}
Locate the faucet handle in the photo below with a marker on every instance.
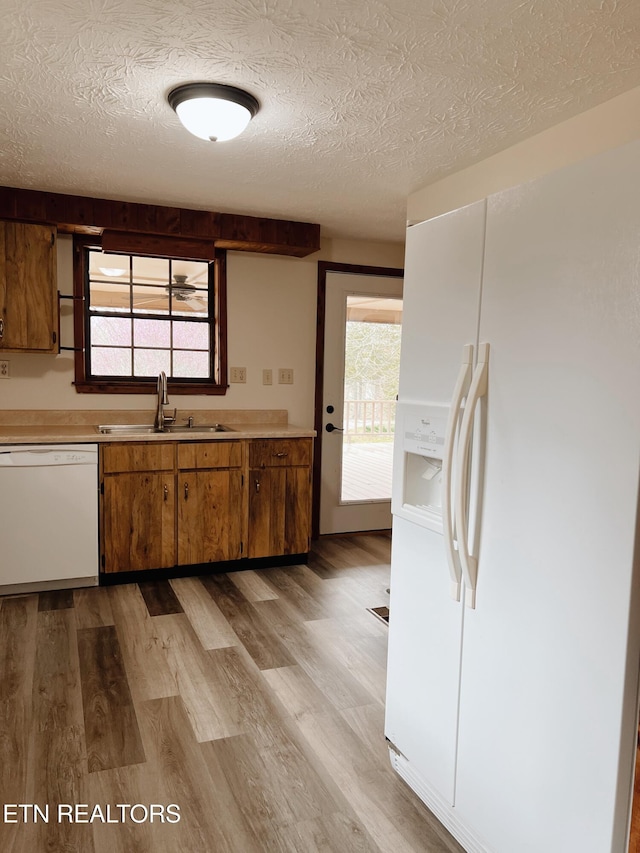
{"x":171,"y":419}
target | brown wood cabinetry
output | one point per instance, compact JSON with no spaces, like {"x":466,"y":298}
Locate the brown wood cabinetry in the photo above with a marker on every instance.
{"x":279,"y":496}
{"x":28,"y":289}
{"x":138,"y":507}
{"x":167,"y":504}
{"x":210,"y":502}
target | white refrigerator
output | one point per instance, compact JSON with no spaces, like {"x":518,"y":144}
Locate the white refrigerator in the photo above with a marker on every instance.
{"x":515,"y":609}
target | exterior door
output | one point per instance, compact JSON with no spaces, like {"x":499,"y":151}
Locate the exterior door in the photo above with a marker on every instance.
{"x":361,"y":367}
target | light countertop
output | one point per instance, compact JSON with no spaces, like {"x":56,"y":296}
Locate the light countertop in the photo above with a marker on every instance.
{"x":83,"y":427}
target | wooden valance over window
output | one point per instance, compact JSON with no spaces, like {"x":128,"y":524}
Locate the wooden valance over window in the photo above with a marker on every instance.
{"x":83,"y":215}
{"x":158,"y":246}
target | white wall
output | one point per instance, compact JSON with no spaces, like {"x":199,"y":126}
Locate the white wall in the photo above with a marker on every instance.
{"x":606,"y":126}
{"x":271,"y":323}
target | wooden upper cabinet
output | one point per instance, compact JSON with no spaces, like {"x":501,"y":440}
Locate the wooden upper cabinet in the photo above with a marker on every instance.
{"x":28,"y":288}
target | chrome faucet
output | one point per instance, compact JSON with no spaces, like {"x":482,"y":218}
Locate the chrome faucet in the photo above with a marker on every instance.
{"x":162,"y":421}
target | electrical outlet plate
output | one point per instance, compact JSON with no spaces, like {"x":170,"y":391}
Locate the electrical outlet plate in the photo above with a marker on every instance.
{"x":267,"y":376}
{"x":285,"y":376}
{"x":238,"y":374}
{"x":4,"y":369}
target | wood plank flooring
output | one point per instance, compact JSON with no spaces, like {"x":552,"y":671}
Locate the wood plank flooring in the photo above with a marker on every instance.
{"x":254,"y":701}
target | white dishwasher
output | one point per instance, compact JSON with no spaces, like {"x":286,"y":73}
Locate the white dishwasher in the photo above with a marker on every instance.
{"x":48,"y":517}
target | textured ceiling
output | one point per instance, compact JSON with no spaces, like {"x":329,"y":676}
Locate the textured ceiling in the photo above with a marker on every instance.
{"x":363,"y":101}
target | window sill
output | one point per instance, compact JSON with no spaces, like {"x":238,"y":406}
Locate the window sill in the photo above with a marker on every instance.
{"x":107,"y":386}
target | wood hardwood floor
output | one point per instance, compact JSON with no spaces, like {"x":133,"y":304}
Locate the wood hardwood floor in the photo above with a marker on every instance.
{"x":253,"y":701}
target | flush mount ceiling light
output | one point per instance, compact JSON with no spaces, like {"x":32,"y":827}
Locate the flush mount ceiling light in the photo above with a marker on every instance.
{"x":213,"y":111}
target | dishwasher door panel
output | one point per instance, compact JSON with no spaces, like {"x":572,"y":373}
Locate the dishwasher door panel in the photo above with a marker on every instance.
{"x":48,"y":519}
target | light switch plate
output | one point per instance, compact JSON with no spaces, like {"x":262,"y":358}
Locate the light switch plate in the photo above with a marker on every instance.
{"x":285,"y":376}
{"x":267,"y":376}
{"x":4,"y":369}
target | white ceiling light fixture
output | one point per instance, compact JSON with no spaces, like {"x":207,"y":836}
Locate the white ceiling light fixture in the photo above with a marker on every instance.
{"x":213,"y":111}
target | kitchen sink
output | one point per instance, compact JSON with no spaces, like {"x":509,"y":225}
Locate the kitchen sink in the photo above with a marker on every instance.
{"x":141,"y":429}
{"x":199,"y":428}
{"x":125,"y":429}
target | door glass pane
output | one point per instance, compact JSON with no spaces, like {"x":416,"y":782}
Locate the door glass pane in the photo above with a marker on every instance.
{"x":372,"y":364}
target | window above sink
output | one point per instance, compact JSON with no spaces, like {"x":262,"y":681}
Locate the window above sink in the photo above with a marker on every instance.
{"x":139,"y":314}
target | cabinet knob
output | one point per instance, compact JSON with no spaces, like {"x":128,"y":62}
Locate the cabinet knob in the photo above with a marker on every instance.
{"x":281,"y":454}
{"x":186,"y":491}
{"x":1,"y":329}
{"x":166,"y":492}
{"x":257,"y":486}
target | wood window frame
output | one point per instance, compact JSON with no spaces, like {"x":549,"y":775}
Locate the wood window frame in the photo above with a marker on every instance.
{"x":150,"y":247}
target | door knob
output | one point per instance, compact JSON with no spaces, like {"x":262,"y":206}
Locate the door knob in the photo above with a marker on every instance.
{"x":332,"y":428}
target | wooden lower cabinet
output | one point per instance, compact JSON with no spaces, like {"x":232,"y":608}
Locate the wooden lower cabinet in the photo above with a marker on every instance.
{"x":138,"y":511}
{"x":168,"y":504}
{"x":279,"y":497}
{"x":211,"y":500}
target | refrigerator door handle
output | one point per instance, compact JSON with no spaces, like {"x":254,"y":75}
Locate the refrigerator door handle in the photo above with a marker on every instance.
{"x":478,"y":389}
{"x":448,"y":515}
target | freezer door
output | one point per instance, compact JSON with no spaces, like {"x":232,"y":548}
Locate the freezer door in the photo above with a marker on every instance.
{"x":441,"y":298}
{"x":443,"y":274}
{"x":550,"y":657}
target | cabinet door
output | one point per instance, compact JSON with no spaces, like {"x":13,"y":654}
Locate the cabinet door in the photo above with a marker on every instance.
{"x":279,"y":511}
{"x":209,"y":516}
{"x":28,"y":305}
{"x":138,"y":512}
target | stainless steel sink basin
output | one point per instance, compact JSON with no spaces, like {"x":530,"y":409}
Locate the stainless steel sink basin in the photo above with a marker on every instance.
{"x":125,"y":429}
{"x":140,"y":429}
{"x":199,"y":428}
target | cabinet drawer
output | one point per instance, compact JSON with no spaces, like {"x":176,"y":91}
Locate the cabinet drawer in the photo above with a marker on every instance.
{"x":137,"y":457}
{"x":272,"y":452}
{"x":210,"y":454}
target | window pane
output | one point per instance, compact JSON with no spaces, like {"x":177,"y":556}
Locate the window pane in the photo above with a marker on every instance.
{"x":197,"y":272}
{"x":114,"y":331}
{"x":151,"y":333}
{"x":149,"y":362}
{"x":108,"y":267}
{"x":191,"y":335}
{"x":154,"y":300}
{"x":107,"y":361}
{"x":191,"y":365}
{"x":150,"y":270}
{"x":109,"y":295}
{"x":189,"y":299}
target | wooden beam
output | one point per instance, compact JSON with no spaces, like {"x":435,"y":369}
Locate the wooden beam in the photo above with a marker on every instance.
{"x":84,"y":215}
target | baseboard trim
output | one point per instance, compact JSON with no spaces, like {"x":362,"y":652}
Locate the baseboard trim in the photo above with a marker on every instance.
{"x":48,"y":585}
{"x":113,"y":578}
